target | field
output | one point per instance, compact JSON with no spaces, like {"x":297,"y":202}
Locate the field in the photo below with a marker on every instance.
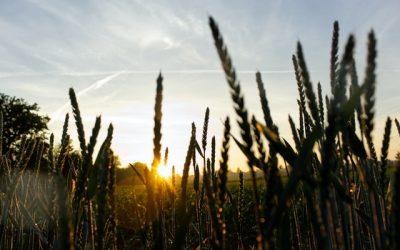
{"x":331,"y":189}
{"x":132,"y":200}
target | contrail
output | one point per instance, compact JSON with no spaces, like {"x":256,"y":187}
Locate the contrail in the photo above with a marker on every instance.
{"x":133,"y":72}
{"x":96,"y":85}
{"x":99,"y":83}
{"x":207,"y":71}
{"x":177,"y":71}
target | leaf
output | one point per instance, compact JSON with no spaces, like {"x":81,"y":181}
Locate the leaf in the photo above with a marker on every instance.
{"x":356,"y":144}
{"x":138,"y":173}
{"x":199,"y":149}
{"x":251,"y":158}
{"x":287,"y":152}
{"x":294,"y":178}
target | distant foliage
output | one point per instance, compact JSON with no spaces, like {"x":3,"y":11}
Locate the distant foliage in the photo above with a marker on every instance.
{"x":20,"y":119}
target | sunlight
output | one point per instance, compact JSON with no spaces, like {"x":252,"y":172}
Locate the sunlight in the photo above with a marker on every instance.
{"x":164,"y":171}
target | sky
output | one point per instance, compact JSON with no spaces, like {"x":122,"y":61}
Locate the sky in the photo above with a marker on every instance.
{"x":111,"y":53}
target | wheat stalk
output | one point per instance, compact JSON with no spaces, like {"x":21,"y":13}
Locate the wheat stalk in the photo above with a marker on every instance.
{"x":309,"y":92}
{"x":334,"y":55}
{"x":241,"y":111}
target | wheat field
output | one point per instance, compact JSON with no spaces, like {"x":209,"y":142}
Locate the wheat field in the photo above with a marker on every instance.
{"x":332,"y":188}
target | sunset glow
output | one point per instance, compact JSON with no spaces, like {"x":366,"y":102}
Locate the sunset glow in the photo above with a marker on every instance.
{"x":164,"y":171}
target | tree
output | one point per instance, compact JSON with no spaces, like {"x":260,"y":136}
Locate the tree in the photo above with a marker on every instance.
{"x":20,"y":119}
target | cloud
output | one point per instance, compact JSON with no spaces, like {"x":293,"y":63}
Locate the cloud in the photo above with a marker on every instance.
{"x":61,"y":42}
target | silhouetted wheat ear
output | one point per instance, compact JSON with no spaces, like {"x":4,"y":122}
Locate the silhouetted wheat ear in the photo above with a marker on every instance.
{"x":223,"y":166}
{"x":243,"y":121}
{"x":166,"y":156}
{"x":384,"y":153}
{"x":295,"y":136}
{"x":334,"y":55}
{"x":300,"y":87}
{"x":327,"y":102}
{"x":173,"y":176}
{"x":92,"y":143}
{"x":51,"y":154}
{"x":64,"y":143}
{"x":369,"y":98}
{"x":87,"y":161}
{"x":309,"y":92}
{"x":352,"y":94}
{"x":339,"y":92}
{"x":321,"y":105}
{"x":304,"y":117}
{"x":185,"y":173}
{"x":397,"y":125}
{"x":301,"y":121}
{"x":196,"y":180}
{"x":208,"y":165}
{"x":205,"y":128}
{"x":78,"y":121}
{"x":355,"y":86}
{"x":334,"y":112}
{"x":65,"y":128}
{"x":157,"y":125}
{"x":234,"y":85}
{"x":152,"y":184}
{"x":213,"y":155}
{"x":259,"y":142}
{"x":194,"y":162}
{"x":353,"y":73}
{"x":264,"y":101}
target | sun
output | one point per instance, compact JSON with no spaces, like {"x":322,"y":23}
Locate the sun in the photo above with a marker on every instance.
{"x":164,"y":171}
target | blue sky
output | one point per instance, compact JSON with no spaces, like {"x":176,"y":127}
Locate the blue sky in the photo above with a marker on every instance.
{"x":110,"y":52}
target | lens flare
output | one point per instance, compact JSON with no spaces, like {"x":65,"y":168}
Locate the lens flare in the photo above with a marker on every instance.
{"x":164,"y":171}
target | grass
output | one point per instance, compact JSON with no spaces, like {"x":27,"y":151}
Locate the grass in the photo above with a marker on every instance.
{"x":331,"y":192}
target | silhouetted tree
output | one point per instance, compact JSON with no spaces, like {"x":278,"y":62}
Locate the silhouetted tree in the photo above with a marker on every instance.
{"x":20,"y":119}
